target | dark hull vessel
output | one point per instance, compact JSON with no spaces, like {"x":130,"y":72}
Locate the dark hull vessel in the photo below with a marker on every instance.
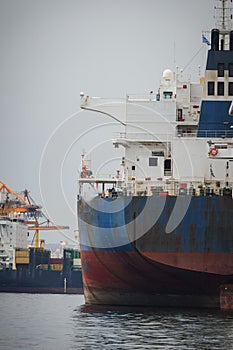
{"x":36,"y":272}
{"x":27,"y":267}
{"x":186,"y":267}
{"x":161,"y":234}
{"x":41,"y":281}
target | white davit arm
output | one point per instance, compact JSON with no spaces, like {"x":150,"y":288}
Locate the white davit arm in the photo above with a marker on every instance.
{"x":114,"y":108}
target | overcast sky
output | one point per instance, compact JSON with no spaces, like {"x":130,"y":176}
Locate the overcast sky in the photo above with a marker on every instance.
{"x":53,"y":49}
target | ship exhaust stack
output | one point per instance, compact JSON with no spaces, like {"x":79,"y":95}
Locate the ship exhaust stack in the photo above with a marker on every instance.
{"x":222,"y":44}
{"x":215,"y":40}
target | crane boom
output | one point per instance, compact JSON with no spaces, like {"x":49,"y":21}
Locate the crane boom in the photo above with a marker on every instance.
{"x":32,"y":213}
{"x":48,"y":228}
{"x":21,"y":199}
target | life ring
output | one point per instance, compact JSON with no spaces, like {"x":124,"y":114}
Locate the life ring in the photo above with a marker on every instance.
{"x":213,"y":152}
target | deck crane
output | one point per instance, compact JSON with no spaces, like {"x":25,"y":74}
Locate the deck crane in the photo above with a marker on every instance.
{"x":46,"y":225}
{"x":31,"y":211}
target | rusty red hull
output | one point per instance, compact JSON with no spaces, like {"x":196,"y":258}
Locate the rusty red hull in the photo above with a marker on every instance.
{"x":185,"y":267}
{"x":128,"y":278}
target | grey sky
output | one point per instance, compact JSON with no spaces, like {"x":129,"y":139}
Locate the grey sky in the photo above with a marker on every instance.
{"x":50,"y":51}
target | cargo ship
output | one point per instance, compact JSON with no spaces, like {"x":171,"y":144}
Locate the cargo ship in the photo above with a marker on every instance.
{"x":27,"y":266}
{"x":160,"y":231}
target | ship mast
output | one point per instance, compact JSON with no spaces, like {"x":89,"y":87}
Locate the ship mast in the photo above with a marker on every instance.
{"x":223,"y":18}
{"x":223,"y":15}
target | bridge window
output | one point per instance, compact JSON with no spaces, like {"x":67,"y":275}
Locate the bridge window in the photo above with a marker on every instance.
{"x":230,"y":69}
{"x":210,"y":88}
{"x":167,"y":94}
{"x":221,"y":69}
{"x":157,"y":153}
{"x":220,"y":88}
{"x":167,"y":167}
{"x":230,"y":88}
{"x":153,"y":161}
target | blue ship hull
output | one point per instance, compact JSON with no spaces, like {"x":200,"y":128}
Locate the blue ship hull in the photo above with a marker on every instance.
{"x":185,"y":267}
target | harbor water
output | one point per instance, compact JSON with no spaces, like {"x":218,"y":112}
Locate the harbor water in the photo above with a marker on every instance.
{"x":47,"y":321}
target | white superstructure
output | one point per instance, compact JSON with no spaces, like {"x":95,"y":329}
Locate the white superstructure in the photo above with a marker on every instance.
{"x":161,"y":141}
{"x":13,"y":234}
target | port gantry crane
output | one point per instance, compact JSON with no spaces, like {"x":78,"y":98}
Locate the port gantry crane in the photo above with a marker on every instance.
{"x":29,"y":209}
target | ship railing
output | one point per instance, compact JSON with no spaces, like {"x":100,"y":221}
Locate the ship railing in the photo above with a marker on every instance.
{"x":148,"y":97}
{"x":96,"y":101}
{"x":104,"y":177}
{"x":151,"y":96}
{"x":215,"y":133}
{"x":130,"y":136}
{"x":110,"y":179}
{"x":188,"y":133}
{"x":169,"y":188}
{"x":150,"y":187}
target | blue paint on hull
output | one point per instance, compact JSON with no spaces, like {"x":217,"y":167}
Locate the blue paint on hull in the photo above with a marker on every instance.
{"x":206,"y":226}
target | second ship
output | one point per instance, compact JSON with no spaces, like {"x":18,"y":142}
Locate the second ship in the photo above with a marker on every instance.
{"x":30,"y":268}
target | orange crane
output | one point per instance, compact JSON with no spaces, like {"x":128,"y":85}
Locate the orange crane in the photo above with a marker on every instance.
{"x":10,"y":206}
{"x":9,"y":190}
{"x":31,"y":210}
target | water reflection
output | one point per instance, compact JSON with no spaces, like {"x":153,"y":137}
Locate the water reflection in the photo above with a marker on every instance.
{"x":35,"y":321}
{"x":104,"y":327}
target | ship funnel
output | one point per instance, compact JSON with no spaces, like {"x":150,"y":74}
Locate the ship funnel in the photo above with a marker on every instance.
{"x":215,"y":40}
